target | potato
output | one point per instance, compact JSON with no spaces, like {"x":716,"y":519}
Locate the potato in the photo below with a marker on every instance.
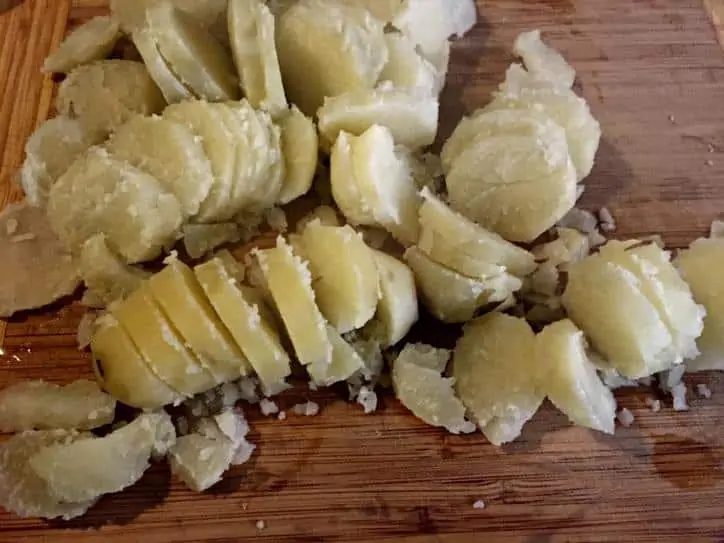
{"x":408,"y":69}
{"x":570,"y":246}
{"x":201,"y":239}
{"x":345,"y":184}
{"x":239,"y":309}
{"x":170,"y":153}
{"x":93,"y":40}
{"x":39,"y":405}
{"x":384,"y":10}
{"x":88,"y":468}
{"x":172,"y":88}
{"x":24,"y":493}
{"x":289,"y":283}
{"x":345,"y":362}
{"x":123,"y":372}
{"x":105,"y":94}
{"x":409,"y":114}
{"x":300,"y":144}
{"x":102,"y":195}
{"x":327,"y":49}
{"x":344,"y":275}
{"x":420,"y":387}
{"x":497,"y":375}
{"x":543,"y":61}
{"x":570,"y":380}
{"x":251,"y":31}
{"x":161,"y":346}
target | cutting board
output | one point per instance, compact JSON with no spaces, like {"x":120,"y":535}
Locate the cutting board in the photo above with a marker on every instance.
{"x":653,"y":72}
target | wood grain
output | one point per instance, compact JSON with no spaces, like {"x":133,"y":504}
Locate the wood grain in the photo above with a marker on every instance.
{"x":654,"y":75}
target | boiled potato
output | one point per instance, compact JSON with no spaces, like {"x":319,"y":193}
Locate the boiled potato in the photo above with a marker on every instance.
{"x":299,"y":148}
{"x":408,"y":69}
{"x":201,"y":239}
{"x":105,"y":94}
{"x":570,"y":379}
{"x":345,"y":362}
{"x":344,"y":275}
{"x":170,"y":153}
{"x":326,"y":48}
{"x":91,"y":41}
{"x":345,"y":184}
{"x":497,"y":375}
{"x":172,"y":88}
{"x":543,"y":61}
{"x":570,"y":246}
{"x":200,"y":461}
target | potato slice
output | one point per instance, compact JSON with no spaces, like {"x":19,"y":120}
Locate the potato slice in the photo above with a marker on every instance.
{"x":160,"y":344}
{"x":122,"y":371}
{"x":408,"y":69}
{"x":102,"y":195}
{"x":170,"y":153}
{"x":171,"y":87}
{"x":24,"y":493}
{"x":182,"y":300}
{"x":201,"y":239}
{"x":345,"y":185}
{"x":345,"y":362}
{"x":497,"y":375}
{"x":325,"y":56}
{"x":289,"y":282}
{"x":93,"y":40}
{"x":384,"y":10}
{"x":105,"y":94}
{"x":420,"y":387}
{"x":300,"y":144}
{"x":409,"y":114}
{"x":570,"y":380}
{"x":606,"y":302}
{"x":88,"y":468}
{"x":344,"y":275}
{"x":39,"y":405}
{"x":543,"y":61}
{"x":251,"y":31}
{"x":240,"y":311}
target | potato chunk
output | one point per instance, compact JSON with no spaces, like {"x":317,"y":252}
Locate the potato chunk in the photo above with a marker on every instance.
{"x":497,"y":375}
{"x":346,"y":186}
{"x":91,"y":41}
{"x":408,"y":69}
{"x":300,"y":145}
{"x":543,"y":61}
{"x":201,"y":239}
{"x":345,"y":362}
{"x":172,"y":88}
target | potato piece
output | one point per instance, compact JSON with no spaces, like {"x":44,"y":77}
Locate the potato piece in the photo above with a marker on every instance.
{"x":420,"y":387}
{"x":89,"y":468}
{"x":344,"y":275}
{"x":251,"y":30}
{"x":325,"y":56}
{"x":39,"y":405}
{"x":299,"y":148}
{"x":37,"y":268}
{"x":122,"y":371}
{"x":105,"y":94}
{"x":345,"y":362}
{"x":543,"y":61}
{"x":325,"y":215}
{"x":409,"y":114}
{"x":93,"y":40}
{"x":243,"y":314}
{"x":170,"y":153}
{"x":606,"y":302}
{"x":201,"y":239}
{"x":172,"y":88}
{"x":24,"y":493}
{"x":570,"y":246}
{"x":161,"y":346}
{"x":289,"y":282}
{"x":102,"y":195}
{"x":131,"y":16}
{"x":384,"y":10}
{"x":408,"y":69}
{"x":497,"y":375}
{"x":345,"y":185}
{"x":570,"y":380}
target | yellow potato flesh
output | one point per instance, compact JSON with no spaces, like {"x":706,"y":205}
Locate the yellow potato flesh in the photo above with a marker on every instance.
{"x":200,"y":461}
{"x":300,"y":145}
{"x":171,"y":87}
{"x":406,"y":68}
{"x":345,"y":185}
{"x":91,"y":41}
{"x":345,"y":362}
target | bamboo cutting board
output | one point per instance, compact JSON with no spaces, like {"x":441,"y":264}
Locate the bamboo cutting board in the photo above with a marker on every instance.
{"x":653,"y":72}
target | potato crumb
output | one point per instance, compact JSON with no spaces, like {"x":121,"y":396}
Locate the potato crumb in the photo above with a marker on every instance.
{"x":11,"y":226}
{"x":367,"y":398}
{"x":22,"y":237}
{"x":608,"y":223}
{"x":653,"y":404}
{"x":260,"y":524}
{"x":230,"y":394}
{"x":625,"y":417}
{"x":247,"y":389}
{"x":710,"y":162}
{"x":703,"y":390}
{"x":717,"y":229}
{"x":581,"y":220}
{"x":479,"y":504}
{"x":282,"y":415}
{"x":86,"y":329}
{"x":308,"y":409}
{"x":268,"y":407}
{"x":276,"y":218}
{"x":678,"y":392}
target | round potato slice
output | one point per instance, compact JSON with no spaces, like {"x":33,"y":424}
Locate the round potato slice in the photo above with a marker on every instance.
{"x":345,"y":185}
{"x":91,"y":41}
{"x":300,"y":145}
{"x":408,"y":69}
{"x":345,"y":362}
{"x":497,"y":375}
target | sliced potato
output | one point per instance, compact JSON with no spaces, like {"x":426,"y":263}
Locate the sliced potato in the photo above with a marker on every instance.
{"x":345,"y":185}
{"x":300,"y":144}
{"x":543,"y":61}
{"x":172,"y":88}
{"x":201,"y":239}
{"x":570,"y":246}
{"x":131,"y":15}
{"x":200,"y":461}
{"x":384,"y":10}
{"x":497,"y":375}
{"x":408,"y":69}
{"x":91,"y":41}
{"x":345,"y":362}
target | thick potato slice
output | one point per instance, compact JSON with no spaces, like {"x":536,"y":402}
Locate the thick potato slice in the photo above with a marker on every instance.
{"x":409,"y":114}
{"x":102,"y":195}
{"x":408,"y":69}
{"x":105,"y":94}
{"x":201,"y":239}
{"x":345,"y":362}
{"x":251,"y":32}
{"x":330,"y":54}
{"x":300,"y":145}
{"x":289,"y":282}
{"x":543,"y":61}
{"x":91,"y":41}
{"x":172,"y":88}
{"x":37,"y":405}
{"x":345,"y":185}
{"x":239,"y":309}
{"x":123,"y":372}
{"x":570,"y":379}
{"x":419,"y":385}
{"x":161,"y":346}
{"x":497,"y":375}
{"x":344,"y":275}
{"x":169,"y":152}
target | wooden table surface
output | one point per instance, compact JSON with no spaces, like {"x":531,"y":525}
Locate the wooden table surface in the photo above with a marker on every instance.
{"x":653,"y":72}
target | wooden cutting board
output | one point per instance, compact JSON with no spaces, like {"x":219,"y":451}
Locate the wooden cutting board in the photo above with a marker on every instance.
{"x":654,"y":75}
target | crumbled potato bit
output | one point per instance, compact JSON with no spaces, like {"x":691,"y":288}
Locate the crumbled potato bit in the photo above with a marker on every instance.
{"x":543,"y":61}
{"x":200,"y":239}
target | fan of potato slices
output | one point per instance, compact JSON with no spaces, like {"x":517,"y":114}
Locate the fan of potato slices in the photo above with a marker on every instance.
{"x":183,"y":128}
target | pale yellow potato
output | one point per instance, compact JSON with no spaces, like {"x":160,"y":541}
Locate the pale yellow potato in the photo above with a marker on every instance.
{"x":200,"y":461}
{"x":201,"y":239}
{"x":160,"y":345}
{"x":122,"y":371}
{"x":242,"y":311}
{"x":210,"y":14}
{"x":100,"y":194}
{"x":542,"y":60}
{"x":300,"y":145}
{"x":497,"y":375}
{"x":93,"y":40}
{"x":384,"y":10}
{"x":172,"y":88}
{"x":344,"y":275}
{"x":410,"y":115}
{"x":251,"y":31}
{"x":570,"y":380}
{"x":345,"y":185}
{"x":289,"y":282}
{"x":406,"y":68}
{"x":169,"y":152}
{"x":105,"y":94}
{"x":326,"y":49}
{"x":131,"y":16}
{"x":323,"y":214}
{"x":38,"y":405}
{"x":570,"y":246}
{"x":345,"y":362}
